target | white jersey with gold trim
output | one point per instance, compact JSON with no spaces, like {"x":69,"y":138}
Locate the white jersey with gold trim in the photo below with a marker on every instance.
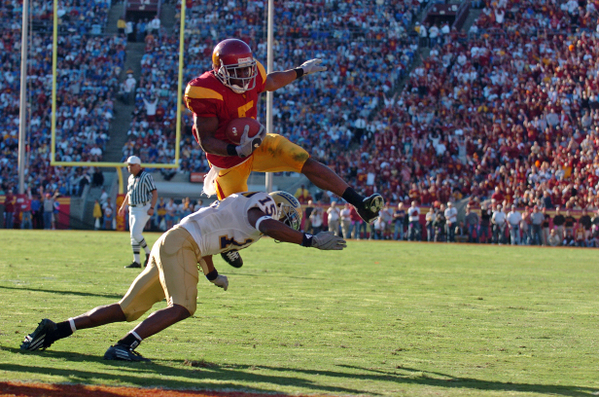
{"x":224,"y":226}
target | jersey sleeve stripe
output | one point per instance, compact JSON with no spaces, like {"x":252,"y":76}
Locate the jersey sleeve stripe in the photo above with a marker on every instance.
{"x":262,"y":71}
{"x":202,"y":93}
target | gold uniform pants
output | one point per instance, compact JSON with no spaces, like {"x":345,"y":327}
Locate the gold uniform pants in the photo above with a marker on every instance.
{"x":275,"y":154}
{"x":172,"y":273}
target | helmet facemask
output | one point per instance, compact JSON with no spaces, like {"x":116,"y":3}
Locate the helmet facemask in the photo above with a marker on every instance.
{"x":288,"y":209}
{"x":289,"y":216}
{"x":239,"y":77}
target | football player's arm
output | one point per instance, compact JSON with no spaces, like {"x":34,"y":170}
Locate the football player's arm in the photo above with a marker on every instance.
{"x":275,"y":229}
{"x":212,"y":274}
{"x":205,"y":129}
{"x":276,"y":80}
{"x":280,"y":231}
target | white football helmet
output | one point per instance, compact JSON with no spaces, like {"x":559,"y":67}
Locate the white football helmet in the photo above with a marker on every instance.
{"x":289,"y":210}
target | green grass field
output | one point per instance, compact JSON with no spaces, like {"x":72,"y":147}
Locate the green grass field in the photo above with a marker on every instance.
{"x":378,"y":319}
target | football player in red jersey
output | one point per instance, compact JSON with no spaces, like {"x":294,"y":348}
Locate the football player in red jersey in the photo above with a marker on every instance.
{"x":230,"y":90}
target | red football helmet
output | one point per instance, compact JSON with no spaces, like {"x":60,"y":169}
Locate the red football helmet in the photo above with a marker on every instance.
{"x":234,"y":65}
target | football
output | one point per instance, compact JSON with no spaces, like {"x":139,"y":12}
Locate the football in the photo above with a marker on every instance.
{"x":235,"y":128}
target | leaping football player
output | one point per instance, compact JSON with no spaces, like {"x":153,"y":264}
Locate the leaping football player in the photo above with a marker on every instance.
{"x":172,"y":272}
{"x":230,"y":90}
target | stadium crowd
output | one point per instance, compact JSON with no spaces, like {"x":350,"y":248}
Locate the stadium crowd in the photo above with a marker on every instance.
{"x":506,"y":113}
{"x":87,"y":82}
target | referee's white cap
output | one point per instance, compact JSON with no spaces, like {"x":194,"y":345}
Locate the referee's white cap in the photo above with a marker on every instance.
{"x":133,"y":160}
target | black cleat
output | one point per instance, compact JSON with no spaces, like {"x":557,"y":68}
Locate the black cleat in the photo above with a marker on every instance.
{"x":232,"y":258}
{"x":39,"y":339}
{"x":124,"y":353}
{"x":370,"y":208}
{"x":147,"y":260}
{"x":133,"y":265}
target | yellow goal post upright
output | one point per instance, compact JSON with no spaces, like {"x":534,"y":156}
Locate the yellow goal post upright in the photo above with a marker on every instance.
{"x":119,"y":166}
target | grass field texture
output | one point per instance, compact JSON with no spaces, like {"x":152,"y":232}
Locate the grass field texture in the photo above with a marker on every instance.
{"x":377,"y":319}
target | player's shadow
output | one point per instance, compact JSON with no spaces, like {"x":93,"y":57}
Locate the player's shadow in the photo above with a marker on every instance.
{"x":233,"y":376}
{"x":62,"y":292}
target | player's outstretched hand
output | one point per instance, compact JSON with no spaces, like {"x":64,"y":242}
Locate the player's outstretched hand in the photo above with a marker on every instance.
{"x":313,"y":66}
{"x":247,"y":145}
{"x":328,"y":241}
{"x":221,"y":281}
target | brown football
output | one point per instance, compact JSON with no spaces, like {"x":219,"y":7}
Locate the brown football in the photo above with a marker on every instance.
{"x":235,"y":128}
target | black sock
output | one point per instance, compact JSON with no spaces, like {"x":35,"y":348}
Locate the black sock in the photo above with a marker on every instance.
{"x":130,"y":340}
{"x":352,"y":197}
{"x":62,"y":330}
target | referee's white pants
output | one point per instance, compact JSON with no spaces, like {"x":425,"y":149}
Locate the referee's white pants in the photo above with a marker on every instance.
{"x":138,"y":217}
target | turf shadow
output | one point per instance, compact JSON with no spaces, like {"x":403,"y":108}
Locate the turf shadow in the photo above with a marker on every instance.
{"x":61,"y":292}
{"x":430,"y":378}
{"x":229,"y":377}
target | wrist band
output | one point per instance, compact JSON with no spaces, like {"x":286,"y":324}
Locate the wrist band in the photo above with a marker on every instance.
{"x":231,"y":150}
{"x":307,"y":241}
{"x":212,"y":275}
{"x":299,"y":72}
{"x":72,"y":325}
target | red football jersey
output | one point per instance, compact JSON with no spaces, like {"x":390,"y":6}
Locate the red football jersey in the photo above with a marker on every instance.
{"x":206,"y":96}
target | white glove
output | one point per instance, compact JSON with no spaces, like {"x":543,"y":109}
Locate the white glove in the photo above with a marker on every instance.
{"x":313,"y":66}
{"x":247,"y":145}
{"x":328,"y":241}
{"x":221,"y":281}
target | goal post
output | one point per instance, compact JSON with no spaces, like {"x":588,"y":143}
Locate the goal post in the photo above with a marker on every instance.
{"x":54,"y":162}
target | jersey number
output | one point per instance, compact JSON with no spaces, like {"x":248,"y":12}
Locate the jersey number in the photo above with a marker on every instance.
{"x":242,"y":110}
{"x":271,"y":209}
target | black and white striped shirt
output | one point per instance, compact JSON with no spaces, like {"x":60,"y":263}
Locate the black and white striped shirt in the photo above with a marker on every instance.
{"x":140,"y":188}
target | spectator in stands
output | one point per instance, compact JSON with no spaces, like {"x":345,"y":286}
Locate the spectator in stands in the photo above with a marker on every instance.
{"x":399,"y":216}
{"x":414,"y":219}
{"x":128,"y":89}
{"x":97,"y":214}
{"x":471,"y":224}
{"x":485,"y":223}
{"x":451,"y":216}
{"x":545,"y":226}
{"x":554,"y":240}
{"x":108,"y":211}
{"x":171,"y":209}
{"x":498,"y":221}
{"x":307,"y":212}
{"x":316,"y":220}
{"x":536,"y":221}
{"x":569,"y":222}
{"x":48,"y":205}
{"x":429,"y":224}
{"x":9,"y":210}
{"x":439,"y":224}
{"x":558,"y":222}
{"x":97,"y":177}
{"x":585,"y":222}
{"x":514,"y":218}
{"x":23,"y":202}
{"x":334,"y":218}
{"x":302,"y":194}
{"x":358,"y":224}
{"x":569,"y":240}
{"x":346,"y":223}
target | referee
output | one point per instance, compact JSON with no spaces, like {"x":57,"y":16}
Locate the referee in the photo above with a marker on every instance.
{"x":141,"y":197}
